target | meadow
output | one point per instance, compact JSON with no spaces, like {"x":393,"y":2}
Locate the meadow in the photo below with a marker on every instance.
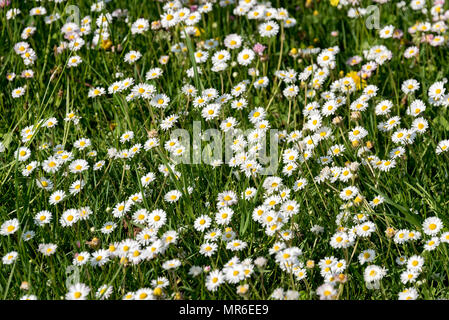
{"x":229,"y":149}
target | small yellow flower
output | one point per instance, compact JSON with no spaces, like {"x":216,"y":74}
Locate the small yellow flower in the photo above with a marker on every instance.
{"x":157,"y":292}
{"x":334,"y":3}
{"x":106,"y":44}
{"x":360,"y":83}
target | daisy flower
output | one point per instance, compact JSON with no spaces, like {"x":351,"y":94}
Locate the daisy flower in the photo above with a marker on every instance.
{"x":140,"y":26}
{"x":245,"y":57}
{"x":47,"y":249}
{"x":202,"y":223}
{"x":9,"y":227}
{"x":78,"y":166}
{"x":56,"y":197}
{"x":132,"y":56}
{"x":153,"y":73}
{"x":18,"y":92}
{"x":208,"y":249}
{"x":172,"y":196}
{"x":386,"y":32}
{"x":432,"y":225}
{"x":78,"y":291}
{"x":96,"y":92}
{"x":233,"y":41}
{"x":268,"y":29}
{"x":214,"y":279}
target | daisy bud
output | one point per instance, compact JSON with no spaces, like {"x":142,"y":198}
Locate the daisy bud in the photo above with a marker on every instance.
{"x":356,"y":115}
{"x":263,"y":57}
{"x":94,"y":242}
{"x":404,"y":100}
{"x":260,"y":262}
{"x":342,"y":278}
{"x":242,"y":290}
{"x":369,"y":144}
{"x":358,"y":199}
{"x":152,"y":133}
{"x":310,"y":264}
{"x":25,"y":285}
{"x":337,"y":120}
{"x":163,"y":59}
{"x":157,"y":292}
{"x":4,"y":3}
{"x":259,"y":48}
{"x":156,"y":25}
{"x":178,"y":296}
{"x":390,"y":232}
{"x":354,"y":166}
